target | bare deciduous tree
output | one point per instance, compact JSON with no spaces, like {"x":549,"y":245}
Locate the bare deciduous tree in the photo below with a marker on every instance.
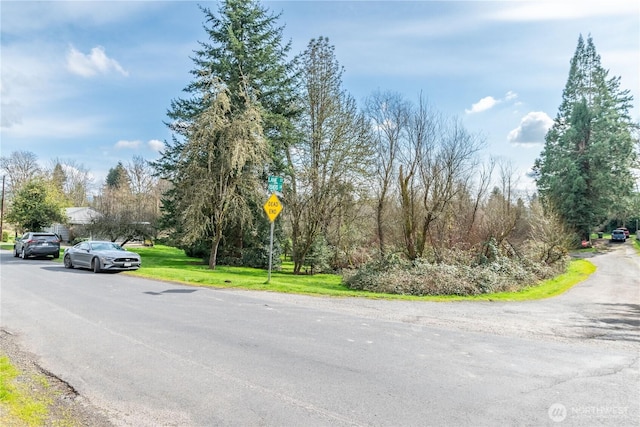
{"x":20,"y":167}
{"x":388,"y":114}
{"x":146,"y":190}
{"x":548,"y":236}
{"x":442,"y":172}
{"x":334,"y":155}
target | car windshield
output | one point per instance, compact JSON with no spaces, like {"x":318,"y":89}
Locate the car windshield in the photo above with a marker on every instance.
{"x":106,"y":246}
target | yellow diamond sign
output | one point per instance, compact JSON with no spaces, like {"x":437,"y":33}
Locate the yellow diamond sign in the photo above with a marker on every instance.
{"x":273,"y":207}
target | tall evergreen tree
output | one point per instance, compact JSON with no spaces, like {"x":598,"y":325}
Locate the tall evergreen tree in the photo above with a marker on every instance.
{"x":246,"y":54}
{"x":117,"y":177}
{"x":586,"y":165}
{"x":58,"y":177}
{"x":71,"y":179}
{"x":212,"y":172}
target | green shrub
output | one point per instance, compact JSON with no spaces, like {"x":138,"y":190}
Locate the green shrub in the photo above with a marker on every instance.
{"x":200,"y":249}
{"x":459,"y":276}
{"x":259,"y":257}
{"x":319,"y":256}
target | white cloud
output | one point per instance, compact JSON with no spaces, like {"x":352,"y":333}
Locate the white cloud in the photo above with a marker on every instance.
{"x":52,"y":127}
{"x":31,"y":16}
{"x":30,"y":81}
{"x":564,"y":10}
{"x":532,"y":130}
{"x":127,"y":144}
{"x":484,"y":104}
{"x":93,"y":63}
{"x":156,"y":145}
{"x":511,"y":95}
{"x":11,"y":114}
{"x":489,"y":102}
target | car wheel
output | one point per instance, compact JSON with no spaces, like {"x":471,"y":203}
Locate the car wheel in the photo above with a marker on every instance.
{"x":55,"y":256}
{"x":23,"y":254}
{"x":15,"y":253}
{"x":67,"y":262}
{"x":95,"y":265}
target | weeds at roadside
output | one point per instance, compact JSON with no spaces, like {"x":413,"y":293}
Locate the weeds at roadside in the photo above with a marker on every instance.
{"x":24,"y":400}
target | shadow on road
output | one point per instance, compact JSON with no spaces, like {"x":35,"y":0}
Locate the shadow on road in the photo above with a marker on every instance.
{"x":171,"y":291}
{"x":16,"y":260}
{"x":616,"y":322}
{"x":59,"y":268}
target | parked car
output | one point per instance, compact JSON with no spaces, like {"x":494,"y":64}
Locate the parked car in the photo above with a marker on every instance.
{"x":626,"y":231}
{"x":101,"y":256}
{"x":618,"y":236}
{"x":37,"y":244}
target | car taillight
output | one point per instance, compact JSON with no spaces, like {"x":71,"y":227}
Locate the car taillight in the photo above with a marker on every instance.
{"x":30,"y":241}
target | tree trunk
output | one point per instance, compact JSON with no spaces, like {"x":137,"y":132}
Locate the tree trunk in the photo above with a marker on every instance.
{"x":408,"y":220}
{"x":295,"y":239}
{"x":215,"y":242}
{"x":380,"y":227}
{"x":301,"y":254}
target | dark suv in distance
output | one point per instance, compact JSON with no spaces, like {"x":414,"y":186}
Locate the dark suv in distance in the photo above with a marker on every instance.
{"x":37,"y":244}
{"x":625,"y":230}
{"x":618,"y":236}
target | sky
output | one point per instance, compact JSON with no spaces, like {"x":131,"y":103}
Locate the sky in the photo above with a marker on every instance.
{"x":90,"y":82}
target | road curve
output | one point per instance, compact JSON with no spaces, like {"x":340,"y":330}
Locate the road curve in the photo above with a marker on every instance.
{"x":153,"y":353}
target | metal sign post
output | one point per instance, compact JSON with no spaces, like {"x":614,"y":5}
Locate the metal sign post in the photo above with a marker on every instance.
{"x":273,"y":207}
{"x":270,"y":253}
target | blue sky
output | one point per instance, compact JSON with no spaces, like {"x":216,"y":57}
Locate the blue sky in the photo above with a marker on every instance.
{"x":91,"y":82}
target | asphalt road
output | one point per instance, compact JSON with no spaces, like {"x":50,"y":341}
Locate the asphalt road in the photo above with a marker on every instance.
{"x":151,"y":353}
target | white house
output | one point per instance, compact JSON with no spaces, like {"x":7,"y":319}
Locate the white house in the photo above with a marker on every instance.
{"x":77,"y":217}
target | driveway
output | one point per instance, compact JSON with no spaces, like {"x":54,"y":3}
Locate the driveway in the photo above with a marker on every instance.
{"x":603,"y":310}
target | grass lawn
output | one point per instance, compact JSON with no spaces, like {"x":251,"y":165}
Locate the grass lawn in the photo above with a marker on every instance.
{"x":578,"y":271}
{"x":170,"y":264}
{"x":25,"y":400}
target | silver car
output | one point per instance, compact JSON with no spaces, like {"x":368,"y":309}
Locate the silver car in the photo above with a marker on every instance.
{"x":101,"y":256}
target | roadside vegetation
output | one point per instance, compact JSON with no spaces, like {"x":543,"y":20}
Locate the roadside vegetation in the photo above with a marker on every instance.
{"x":24,"y":399}
{"x":170,"y":264}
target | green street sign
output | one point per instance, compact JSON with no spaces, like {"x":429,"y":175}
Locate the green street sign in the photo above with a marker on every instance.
{"x":275,"y":183}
